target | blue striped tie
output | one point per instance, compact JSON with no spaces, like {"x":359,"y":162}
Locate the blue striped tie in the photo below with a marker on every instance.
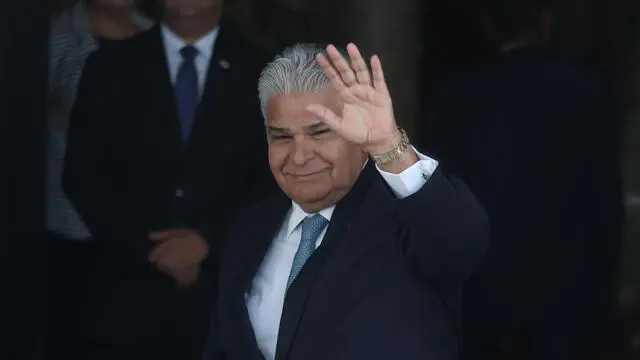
{"x":312,"y":226}
{"x":186,"y":89}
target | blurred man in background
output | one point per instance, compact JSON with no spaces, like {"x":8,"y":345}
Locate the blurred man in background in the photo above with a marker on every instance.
{"x":533,"y":137}
{"x":156,"y":167}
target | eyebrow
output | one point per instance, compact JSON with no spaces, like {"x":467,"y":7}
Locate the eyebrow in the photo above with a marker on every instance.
{"x":317,"y":126}
{"x":309,"y":128}
{"x":277,"y":129}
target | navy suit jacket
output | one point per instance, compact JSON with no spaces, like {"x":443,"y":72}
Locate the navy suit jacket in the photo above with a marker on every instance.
{"x":384,"y":284}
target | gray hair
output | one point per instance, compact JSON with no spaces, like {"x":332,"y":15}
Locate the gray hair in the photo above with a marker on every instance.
{"x":294,"y":70}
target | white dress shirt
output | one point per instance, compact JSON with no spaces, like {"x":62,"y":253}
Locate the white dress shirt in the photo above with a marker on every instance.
{"x":174,"y":43}
{"x":266,"y":298}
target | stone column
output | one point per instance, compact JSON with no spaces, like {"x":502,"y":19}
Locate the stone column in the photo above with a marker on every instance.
{"x":389,"y":29}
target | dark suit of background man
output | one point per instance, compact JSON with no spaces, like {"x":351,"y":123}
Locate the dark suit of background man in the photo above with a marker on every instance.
{"x":165,"y":144}
{"x":532,"y":137}
{"x":75,"y":32}
{"x":362,"y":258}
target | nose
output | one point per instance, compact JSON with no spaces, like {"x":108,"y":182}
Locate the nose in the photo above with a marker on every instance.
{"x":301,"y":151}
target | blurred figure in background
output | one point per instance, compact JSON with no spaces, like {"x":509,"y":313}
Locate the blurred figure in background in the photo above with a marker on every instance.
{"x":76,"y":30}
{"x":166,"y":144}
{"x":533,"y":137}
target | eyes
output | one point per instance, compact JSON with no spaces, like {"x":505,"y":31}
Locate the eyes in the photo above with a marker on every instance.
{"x":317,"y":134}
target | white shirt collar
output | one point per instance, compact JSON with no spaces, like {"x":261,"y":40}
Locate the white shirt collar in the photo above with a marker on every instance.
{"x":297,"y":215}
{"x":174,"y":43}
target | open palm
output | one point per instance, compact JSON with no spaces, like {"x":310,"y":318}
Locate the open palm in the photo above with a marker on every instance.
{"x":367,"y":115}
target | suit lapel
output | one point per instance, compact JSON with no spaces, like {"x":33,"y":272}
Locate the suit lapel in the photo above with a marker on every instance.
{"x":298,"y":294}
{"x":214,"y":99}
{"x":160,"y":84}
{"x":261,"y":233}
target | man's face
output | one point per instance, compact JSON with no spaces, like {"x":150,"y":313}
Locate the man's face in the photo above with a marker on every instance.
{"x":190,"y":8}
{"x":314,"y":166}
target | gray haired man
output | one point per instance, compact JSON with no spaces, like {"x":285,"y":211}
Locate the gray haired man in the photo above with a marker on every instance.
{"x":363,"y":254}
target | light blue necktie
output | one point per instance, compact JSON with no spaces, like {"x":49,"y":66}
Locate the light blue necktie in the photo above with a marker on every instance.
{"x":312,"y":226}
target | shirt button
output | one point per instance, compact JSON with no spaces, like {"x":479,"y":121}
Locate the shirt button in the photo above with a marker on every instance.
{"x":179,"y":193}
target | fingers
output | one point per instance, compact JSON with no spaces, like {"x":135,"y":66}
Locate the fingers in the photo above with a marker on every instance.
{"x":357,"y":74}
{"x":167,"y":234}
{"x":186,"y":277}
{"x":342,"y":66}
{"x":359,"y":93}
{"x":331,"y":72}
{"x":170,"y":261}
{"x":183,"y":277}
{"x":359,"y":65}
{"x":180,"y":252}
{"x":166,"y":254}
{"x":157,"y":253}
{"x":327,"y":116}
{"x":378,"y":75}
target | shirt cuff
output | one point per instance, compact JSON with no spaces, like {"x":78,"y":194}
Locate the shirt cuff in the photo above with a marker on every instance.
{"x":412,"y":179}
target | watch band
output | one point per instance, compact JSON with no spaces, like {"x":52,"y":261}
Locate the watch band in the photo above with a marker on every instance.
{"x":395,"y":153}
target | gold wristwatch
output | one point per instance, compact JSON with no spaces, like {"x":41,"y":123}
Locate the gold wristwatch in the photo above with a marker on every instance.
{"x":395,"y":153}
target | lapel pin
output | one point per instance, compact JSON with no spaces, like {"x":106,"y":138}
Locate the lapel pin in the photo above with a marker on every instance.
{"x":224,"y":64}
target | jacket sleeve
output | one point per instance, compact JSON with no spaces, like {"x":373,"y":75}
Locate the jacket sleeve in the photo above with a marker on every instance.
{"x":445,"y":229}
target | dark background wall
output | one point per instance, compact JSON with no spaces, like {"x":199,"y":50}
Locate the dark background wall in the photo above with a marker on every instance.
{"x":23,"y":84}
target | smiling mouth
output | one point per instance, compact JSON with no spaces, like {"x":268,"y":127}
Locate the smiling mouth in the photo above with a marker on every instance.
{"x":307,"y":174}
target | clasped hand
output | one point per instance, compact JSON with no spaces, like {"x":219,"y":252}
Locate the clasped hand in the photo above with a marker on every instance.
{"x":179,"y":253}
